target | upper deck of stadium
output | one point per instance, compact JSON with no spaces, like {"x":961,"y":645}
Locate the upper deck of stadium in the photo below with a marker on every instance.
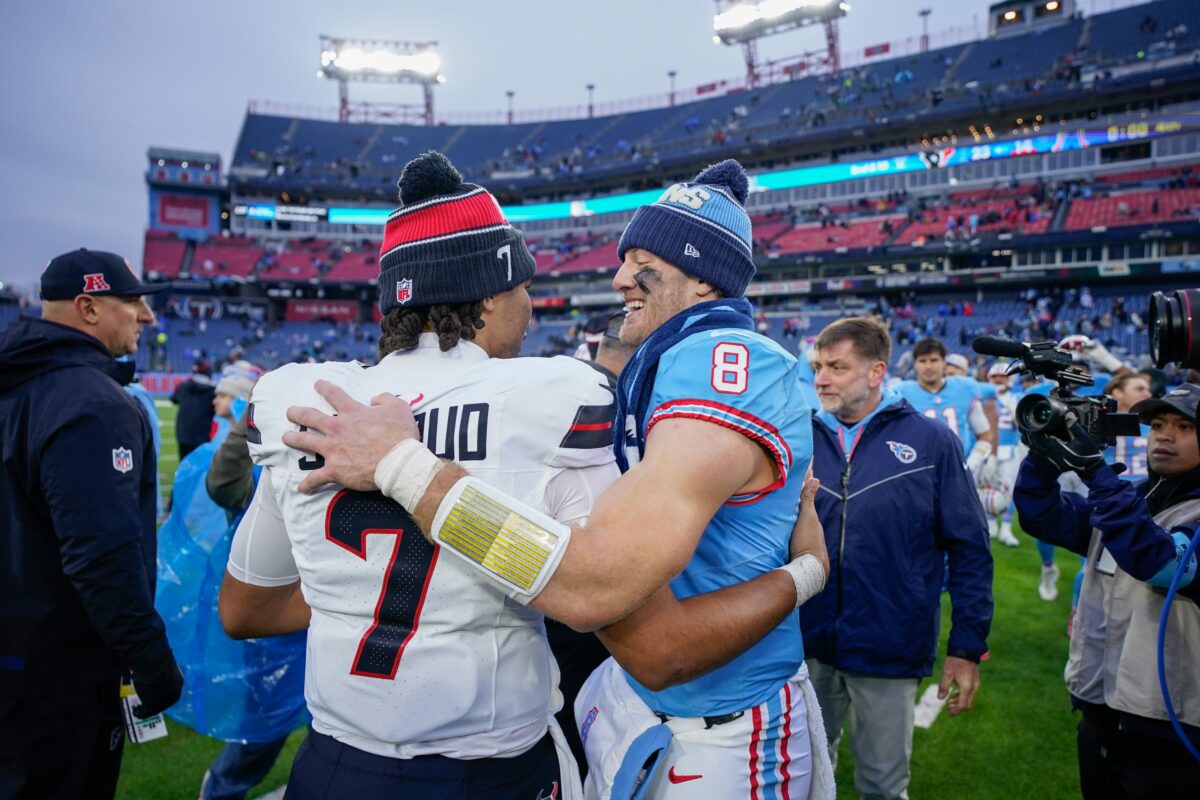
{"x":1072,"y":63}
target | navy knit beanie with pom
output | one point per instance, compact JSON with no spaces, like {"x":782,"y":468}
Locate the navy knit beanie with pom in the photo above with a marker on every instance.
{"x":701,"y":227}
{"x":448,"y":242}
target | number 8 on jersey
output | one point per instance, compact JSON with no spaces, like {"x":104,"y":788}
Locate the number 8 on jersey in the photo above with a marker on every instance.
{"x":730,"y":368}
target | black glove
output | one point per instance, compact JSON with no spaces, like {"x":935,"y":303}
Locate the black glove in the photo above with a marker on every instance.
{"x":158,"y":691}
{"x":1079,"y":454}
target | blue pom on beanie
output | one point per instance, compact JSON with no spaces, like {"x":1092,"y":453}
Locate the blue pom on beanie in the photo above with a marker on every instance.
{"x":701,"y":227}
{"x":730,"y":175}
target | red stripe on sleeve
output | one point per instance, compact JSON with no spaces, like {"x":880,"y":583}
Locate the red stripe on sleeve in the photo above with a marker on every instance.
{"x":735,"y":412}
{"x":592,"y":426}
{"x":752,"y":435}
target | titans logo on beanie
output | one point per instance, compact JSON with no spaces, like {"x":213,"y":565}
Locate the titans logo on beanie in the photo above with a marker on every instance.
{"x":449,"y":242}
{"x":701,"y":227}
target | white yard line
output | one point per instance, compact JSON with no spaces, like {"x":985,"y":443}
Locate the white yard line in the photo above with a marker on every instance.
{"x":275,"y":795}
{"x":928,"y":707}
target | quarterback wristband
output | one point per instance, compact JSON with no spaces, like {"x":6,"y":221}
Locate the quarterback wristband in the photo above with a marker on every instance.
{"x":510,"y":542}
{"x":808,"y":575}
{"x":406,"y":472}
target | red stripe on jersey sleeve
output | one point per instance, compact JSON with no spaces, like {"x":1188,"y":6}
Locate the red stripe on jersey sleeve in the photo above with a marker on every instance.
{"x":734,"y":412}
{"x":770,"y":446}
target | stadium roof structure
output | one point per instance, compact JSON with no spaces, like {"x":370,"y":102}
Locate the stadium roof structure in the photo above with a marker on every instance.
{"x":175,"y":155}
{"x":381,"y":61}
{"x":744,"y":22}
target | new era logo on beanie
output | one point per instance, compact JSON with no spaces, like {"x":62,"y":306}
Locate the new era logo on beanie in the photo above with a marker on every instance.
{"x":701,"y":227}
{"x":448,"y":242}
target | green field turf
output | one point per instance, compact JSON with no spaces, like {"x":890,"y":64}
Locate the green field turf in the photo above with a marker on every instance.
{"x":1017,"y":742}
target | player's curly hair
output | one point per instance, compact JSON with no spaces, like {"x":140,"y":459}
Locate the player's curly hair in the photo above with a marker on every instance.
{"x":401,"y":328}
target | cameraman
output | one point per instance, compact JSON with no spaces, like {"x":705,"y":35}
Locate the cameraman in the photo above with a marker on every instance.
{"x":1133,"y":534}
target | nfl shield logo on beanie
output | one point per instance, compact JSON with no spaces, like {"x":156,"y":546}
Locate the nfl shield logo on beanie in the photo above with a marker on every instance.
{"x":449,"y":236}
{"x":404,"y":290}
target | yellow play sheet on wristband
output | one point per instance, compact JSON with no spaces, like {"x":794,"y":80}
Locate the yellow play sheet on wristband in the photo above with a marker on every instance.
{"x":497,"y":538}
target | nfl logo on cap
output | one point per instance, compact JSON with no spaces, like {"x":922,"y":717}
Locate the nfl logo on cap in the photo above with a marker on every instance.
{"x":122,"y":459}
{"x":404,"y":290}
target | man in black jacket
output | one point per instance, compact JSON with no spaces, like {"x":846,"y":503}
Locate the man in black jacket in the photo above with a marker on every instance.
{"x":77,"y":538}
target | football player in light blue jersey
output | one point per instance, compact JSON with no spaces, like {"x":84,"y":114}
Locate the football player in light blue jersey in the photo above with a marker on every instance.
{"x":714,"y":448}
{"x":806,"y":375}
{"x":1128,"y":390}
{"x":954,"y":400}
{"x":1009,"y":452}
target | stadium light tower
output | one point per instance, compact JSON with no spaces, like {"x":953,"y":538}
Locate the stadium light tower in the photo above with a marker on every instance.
{"x":925,"y":12}
{"x":376,"y":61}
{"x":744,"y":22}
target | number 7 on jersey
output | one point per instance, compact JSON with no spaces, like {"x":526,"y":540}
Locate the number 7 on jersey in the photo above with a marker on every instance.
{"x":350,"y":519}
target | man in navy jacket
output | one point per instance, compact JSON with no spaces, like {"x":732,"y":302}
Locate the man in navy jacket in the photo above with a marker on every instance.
{"x":1134,"y":536}
{"x":77,"y":539}
{"x":897,"y":504}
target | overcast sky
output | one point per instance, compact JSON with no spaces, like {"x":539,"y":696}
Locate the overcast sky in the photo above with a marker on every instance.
{"x":90,"y":85}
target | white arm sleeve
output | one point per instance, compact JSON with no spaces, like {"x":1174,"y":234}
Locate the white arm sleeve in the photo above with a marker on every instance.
{"x":978,"y":419}
{"x":261,"y":554}
{"x":571,"y":493}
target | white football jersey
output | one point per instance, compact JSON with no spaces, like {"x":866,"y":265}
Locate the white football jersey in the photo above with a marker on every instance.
{"x":409,"y":651}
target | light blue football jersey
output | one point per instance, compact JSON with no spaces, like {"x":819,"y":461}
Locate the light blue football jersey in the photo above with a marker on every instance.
{"x":1006,"y":423}
{"x":746,"y":383}
{"x":1130,"y":451}
{"x":951,"y":404}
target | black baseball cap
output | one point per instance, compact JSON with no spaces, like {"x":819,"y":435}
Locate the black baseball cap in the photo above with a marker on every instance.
{"x":95,"y":272}
{"x":1182,"y":400}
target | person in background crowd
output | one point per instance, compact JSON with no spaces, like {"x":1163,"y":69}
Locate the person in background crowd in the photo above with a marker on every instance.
{"x":236,"y":383}
{"x":193,"y":423}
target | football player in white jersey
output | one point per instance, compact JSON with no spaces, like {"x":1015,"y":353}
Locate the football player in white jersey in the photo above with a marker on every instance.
{"x":411,"y":652}
{"x":717,"y":429}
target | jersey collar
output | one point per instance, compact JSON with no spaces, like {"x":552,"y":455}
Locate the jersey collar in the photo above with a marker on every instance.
{"x":427,"y":347}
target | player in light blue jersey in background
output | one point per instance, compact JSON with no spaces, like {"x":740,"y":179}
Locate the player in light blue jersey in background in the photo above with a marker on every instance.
{"x":806,"y":374}
{"x":1009,"y":452}
{"x":1129,"y":389}
{"x":955,"y":401}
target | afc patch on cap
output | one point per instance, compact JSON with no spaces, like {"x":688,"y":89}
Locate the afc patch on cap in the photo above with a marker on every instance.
{"x":404,"y":291}
{"x":95,"y":282}
{"x":122,"y":459}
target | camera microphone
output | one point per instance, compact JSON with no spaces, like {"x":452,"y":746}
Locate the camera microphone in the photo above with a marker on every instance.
{"x":1003,"y":348}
